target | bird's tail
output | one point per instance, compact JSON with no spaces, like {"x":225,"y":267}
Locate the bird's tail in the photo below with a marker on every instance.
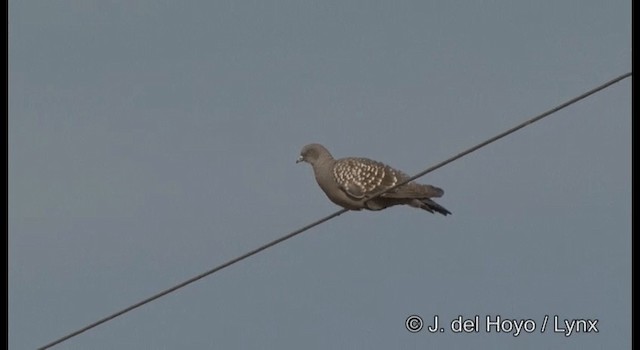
{"x":431,"y":206}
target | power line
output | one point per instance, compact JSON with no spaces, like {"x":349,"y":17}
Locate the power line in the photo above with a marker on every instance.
{"x":337,"y":213}
{"x":510,"y":131}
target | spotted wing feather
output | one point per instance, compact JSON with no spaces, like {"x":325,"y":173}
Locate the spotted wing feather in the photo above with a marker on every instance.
{"x":361,"y":177}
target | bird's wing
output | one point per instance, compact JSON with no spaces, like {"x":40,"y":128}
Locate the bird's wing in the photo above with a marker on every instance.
{"x":362,"y":177}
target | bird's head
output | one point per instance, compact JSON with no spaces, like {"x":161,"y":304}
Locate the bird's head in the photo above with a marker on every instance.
{"x":312,"y":153}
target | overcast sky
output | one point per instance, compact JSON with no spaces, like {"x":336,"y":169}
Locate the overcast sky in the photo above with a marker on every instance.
{"x":150,"y":141}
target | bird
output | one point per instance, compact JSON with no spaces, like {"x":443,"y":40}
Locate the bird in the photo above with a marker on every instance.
{"x":351,"y":182}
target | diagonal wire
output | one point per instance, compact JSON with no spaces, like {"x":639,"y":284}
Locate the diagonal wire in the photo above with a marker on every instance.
{"x":503,"y":134}
{"x":337,"y":213}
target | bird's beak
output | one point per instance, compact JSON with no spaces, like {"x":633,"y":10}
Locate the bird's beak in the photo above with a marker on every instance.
{"x":300,"y":159}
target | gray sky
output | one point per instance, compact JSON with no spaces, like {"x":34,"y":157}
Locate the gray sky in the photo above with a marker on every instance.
{"x":150,"y":141}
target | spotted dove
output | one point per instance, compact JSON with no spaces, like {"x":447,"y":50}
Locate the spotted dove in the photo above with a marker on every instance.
{"x":350,"y":182}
